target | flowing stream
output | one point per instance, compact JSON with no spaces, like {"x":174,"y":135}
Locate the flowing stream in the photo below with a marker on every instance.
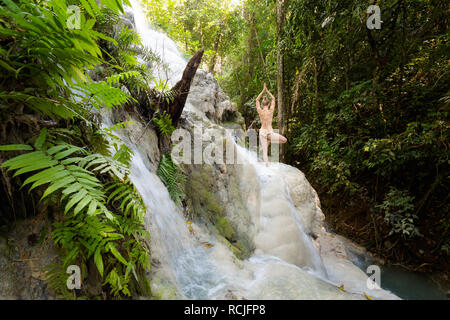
{"x":201,"y":272}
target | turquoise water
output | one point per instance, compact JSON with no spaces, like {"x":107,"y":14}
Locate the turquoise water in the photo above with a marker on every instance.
{"x":410,"y":285}
{"x":406,"y":284}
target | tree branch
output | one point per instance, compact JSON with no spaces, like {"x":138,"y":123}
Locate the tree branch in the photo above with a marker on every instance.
{"x":181,"y":89}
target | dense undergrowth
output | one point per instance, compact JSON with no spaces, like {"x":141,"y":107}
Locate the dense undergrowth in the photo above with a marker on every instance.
{"x":60,"y":71}
{"x":366,"y":111}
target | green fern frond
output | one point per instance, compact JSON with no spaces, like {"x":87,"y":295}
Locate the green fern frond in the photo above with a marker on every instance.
{"x":163,"y":121}
{"x":125,"y":196}
{"x":101,"y":94}
{"x":102,"y":164}
{"x":116,"y":78}
{"x":172,"y":178}
{"x":118,"y":126}
{"x":56,"y":277}
{"x":128,"y":38}
{"x":60,"y":172}
{"x":161,"y":85}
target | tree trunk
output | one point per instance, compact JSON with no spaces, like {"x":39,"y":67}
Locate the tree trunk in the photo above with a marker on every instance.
{"x":216,"y":47}
{"x":281,"y":119}
{"x":251,"y":45}
{"x":316,"y":95}
{"x":181,"y":89}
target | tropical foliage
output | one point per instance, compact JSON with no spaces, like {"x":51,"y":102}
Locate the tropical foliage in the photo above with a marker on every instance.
{"x":172,"y":177}
{"x":61,"y":66}
{"x":367,"y":110}
{"x":196,"y":24}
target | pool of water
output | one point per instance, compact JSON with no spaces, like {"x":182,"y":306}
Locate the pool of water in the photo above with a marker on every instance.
{"x":406,"y":284}
{"x":410,"y":285}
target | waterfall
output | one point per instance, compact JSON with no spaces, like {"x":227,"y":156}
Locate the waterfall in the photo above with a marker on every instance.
{"x":195,"y":279}
{"x":160,"y":44}
{"x":268,"y":177}
{"x":285,"y":263}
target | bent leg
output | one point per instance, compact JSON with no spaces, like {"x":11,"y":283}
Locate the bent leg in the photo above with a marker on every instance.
{"x":277,"y":138}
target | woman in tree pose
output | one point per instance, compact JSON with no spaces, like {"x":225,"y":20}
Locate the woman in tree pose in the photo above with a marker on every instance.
{"x":266,"y":134}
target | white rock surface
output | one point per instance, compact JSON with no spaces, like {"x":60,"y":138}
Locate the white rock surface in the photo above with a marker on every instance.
{"x":282,"y":218}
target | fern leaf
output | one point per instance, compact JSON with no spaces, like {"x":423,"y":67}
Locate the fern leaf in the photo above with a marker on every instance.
{"x":99,"y":261}
{"x":172,"y":178}
{"x":116,"y":253}
{"x":16,"y":147}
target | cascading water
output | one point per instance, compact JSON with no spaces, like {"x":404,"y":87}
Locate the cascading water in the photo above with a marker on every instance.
{"x":285,"y":263}
{"x":268,"y":179}
{"x":160,"y":44}
{"x":194,"y":278}
{"x":188,"y":261}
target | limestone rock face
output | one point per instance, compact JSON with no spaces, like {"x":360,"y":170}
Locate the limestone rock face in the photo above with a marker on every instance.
{"x":143,"y":136}
{"x":274,"y":211}
{"x":208,"y":102}
{"x":305,"y":199}
{"x":22,"y":260}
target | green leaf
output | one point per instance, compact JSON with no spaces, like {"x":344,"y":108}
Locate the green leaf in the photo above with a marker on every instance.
{"x":116,"y":253}
{"x":57,"y":148}
{"x":7,"y":66}
{"x":45,"y":174}
{"x":58,"y":185}
{"x":41,"y":139}
{"x":25,"y":159}
{"x":36,"y":166}
{"x":83,"y":203}
{"x":75,"y":199}
{"x":12,"y":6}
{"x":92,"y":208}
{"x":73,"y":188}
{"x":16,"y":147}
{"x":98,"y":261}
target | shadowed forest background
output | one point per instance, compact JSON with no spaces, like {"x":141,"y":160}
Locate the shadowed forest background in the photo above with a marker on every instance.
{"x":365,"y":111}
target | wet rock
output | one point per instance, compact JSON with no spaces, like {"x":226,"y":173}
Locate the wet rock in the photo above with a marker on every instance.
{"x":22,"y":262}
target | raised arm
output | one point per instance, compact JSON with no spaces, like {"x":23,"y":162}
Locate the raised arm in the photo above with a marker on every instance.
{"x":272,"y":105}
{"x":258,"y":106}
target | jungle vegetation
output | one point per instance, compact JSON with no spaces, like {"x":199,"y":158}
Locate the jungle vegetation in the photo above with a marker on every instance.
{"x":365,"y":110}
{"x":63,"y":63}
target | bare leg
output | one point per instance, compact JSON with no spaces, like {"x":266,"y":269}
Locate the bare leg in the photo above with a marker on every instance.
{"x":264,"y":145}
{"x":277,"y":138}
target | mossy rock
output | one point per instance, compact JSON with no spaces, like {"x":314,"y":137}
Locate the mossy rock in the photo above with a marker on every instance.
{"x":204,"y":203}
{"x":164,"y":290}
{"x":239,"y":249}
{"x":142,"y":286}
{"x":224,"y":228}
{"x":200,"y":188}
{"x":243,"y":252}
